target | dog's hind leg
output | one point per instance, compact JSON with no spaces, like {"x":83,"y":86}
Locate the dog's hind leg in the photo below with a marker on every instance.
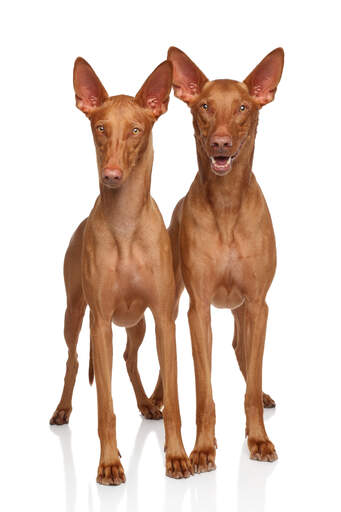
{"x":239,"y":348}
{"x":173,"y":231}
{"x":157,"y":395}
{"x":135,"y":337}
{"x":73,"y":322}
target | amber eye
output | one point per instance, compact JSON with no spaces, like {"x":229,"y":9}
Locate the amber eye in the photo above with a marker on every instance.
{"x":242,"y":108}
{"x":100,"y":128}
{"x":204,"y":106}
{"x":136,"y":131}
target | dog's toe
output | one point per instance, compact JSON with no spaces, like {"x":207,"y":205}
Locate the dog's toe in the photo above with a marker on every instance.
{"x":111,"y":474}
{"x":178,"y":466}
{"x":150,"y":411}
{"x":262,"y":450}
{"x":268,"y":402}
{"x":61,"y":416}
{"x":203,"y":459}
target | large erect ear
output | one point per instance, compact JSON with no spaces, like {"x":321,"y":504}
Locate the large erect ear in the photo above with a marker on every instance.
{"x":188,"y":80}
{"x":154,"y":93}
{"x":90,"y":93}
{"x":262,"y":82}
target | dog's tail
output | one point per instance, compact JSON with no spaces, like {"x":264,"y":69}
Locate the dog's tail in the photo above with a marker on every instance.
{"x":91,"y":366}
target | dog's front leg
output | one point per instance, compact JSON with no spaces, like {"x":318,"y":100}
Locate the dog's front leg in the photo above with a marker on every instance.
{"x":110,"y":470}
{"x":261,"y":448}
{"x":203,"y":454}
{"x":177,"y":462}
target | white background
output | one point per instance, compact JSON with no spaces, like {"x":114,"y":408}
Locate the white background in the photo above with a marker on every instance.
{"x":49,"y":184}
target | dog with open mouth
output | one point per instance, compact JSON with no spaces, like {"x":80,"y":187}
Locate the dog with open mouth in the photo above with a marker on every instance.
{"x":222,"y":237}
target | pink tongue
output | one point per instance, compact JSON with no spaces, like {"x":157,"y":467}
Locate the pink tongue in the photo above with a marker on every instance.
{"x":222,"y":162}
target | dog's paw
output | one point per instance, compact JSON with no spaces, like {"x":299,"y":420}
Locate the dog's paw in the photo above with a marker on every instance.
{"x":178,"y":466}
{"x":61,"y":416}
{"x":262,"y":450}
{"x":203,"y":459}
{"x":156,"y":400}
{"x":150,"y":411}
{"x":268,"y":402}
{"x":111,"y":474}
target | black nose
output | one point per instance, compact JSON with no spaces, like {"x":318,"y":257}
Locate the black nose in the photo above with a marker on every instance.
{"x":221,"y":142}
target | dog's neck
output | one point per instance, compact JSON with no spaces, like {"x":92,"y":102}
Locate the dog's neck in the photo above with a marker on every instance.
{"x":123,"y":207}
{"x":224,"y":194}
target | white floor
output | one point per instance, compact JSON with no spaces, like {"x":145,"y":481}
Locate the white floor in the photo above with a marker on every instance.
{"x":54,"y":468}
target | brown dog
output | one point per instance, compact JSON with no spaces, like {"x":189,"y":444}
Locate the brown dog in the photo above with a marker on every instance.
{"x":223,"y":241}
{"x":119,"y":262}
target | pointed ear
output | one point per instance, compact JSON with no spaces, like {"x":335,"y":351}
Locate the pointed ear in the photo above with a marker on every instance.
{"x":262,"y":82}
{"x":188,"y":80}
{"x":154,"y":93}
{"x":90,"y":93}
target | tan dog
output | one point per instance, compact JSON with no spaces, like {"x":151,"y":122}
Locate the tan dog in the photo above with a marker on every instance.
{"x":119,"y":262}
{"x":223,"y":241}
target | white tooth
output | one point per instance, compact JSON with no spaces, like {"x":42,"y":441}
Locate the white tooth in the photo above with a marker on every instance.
{"x":212,"y":159}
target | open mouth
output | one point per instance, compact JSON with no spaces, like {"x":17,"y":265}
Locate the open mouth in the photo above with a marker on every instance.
{"x":221,"y":164}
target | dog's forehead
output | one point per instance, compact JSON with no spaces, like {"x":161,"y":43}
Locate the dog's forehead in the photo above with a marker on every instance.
{"x":225,"y":91}
{"x":120,"y":108}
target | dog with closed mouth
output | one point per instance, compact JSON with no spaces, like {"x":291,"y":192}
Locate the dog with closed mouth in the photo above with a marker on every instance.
{"x":119,"y":262}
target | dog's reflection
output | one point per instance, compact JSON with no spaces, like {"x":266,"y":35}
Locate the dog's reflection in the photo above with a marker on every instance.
{"x":204,"y":492}
{"x":146,"y":428}
{"x":198,"y":493}
{"x":252,"y":478}
{"x":64,"y":435}
{"x":108,"y":500}
{"x":174,"y":493}
{"x":110,"y":497}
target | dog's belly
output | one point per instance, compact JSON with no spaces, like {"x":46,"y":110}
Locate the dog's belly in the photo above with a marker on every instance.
{"x":227,"y":298}
{"x":129,"y":312}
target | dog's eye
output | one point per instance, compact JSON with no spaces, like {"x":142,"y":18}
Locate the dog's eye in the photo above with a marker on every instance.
{"x":242,"y":108}
{"x":100,"y":128}
{"x":136,"y":130}
{"x":204,"y":106}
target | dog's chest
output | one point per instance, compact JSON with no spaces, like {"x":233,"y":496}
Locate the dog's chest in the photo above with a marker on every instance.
{"x":130,"y":277}
{"x":229,"y":271}
{"x":129,"y":290}
{"x":118,"y":275}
